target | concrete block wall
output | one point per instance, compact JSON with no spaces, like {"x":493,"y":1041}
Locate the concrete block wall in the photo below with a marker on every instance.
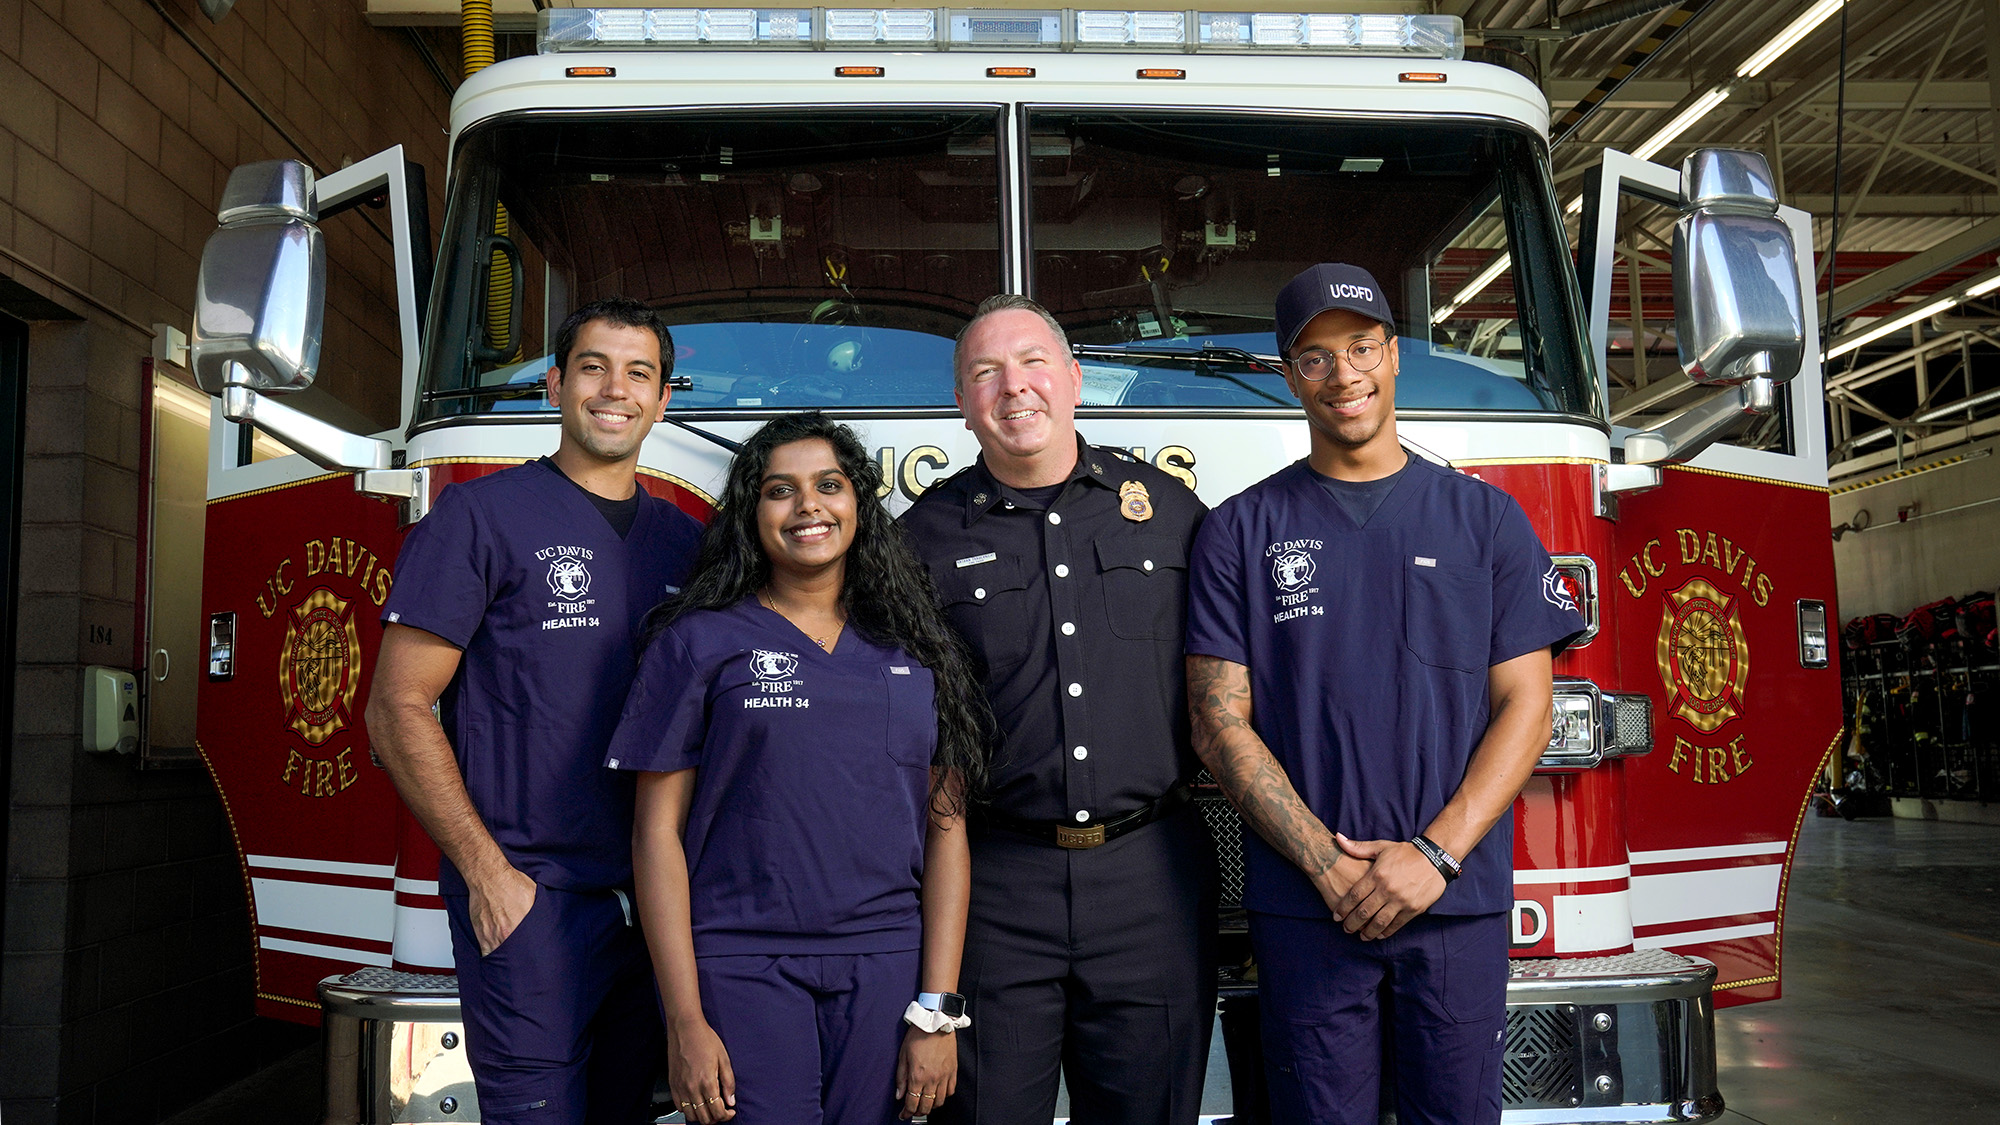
{"x":125,"y":991}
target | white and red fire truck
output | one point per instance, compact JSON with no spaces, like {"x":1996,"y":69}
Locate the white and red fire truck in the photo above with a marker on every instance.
{"x":817,"y":198}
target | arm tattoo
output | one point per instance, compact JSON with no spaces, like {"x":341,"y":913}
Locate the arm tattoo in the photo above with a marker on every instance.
{"x":1219,"y":704}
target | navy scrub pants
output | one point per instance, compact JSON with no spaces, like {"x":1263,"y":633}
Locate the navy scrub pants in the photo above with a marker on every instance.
{"x":562,"y":1022}
{"x":812,"y":1039}
{"x":1325,"y":1028}
{"x":1097,"y":963}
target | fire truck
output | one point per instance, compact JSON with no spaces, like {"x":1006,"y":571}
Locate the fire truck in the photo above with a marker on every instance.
{"x":817,"y":198}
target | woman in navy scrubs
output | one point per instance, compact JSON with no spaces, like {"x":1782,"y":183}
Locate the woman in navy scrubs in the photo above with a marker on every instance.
{"x":807,"y":726}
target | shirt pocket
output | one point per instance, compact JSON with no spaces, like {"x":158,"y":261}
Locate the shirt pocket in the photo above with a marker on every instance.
{"x":988,"y":604}
{"x":1448,"y":614}
{"x":1145,"y":586}
{"x":910,"y":735}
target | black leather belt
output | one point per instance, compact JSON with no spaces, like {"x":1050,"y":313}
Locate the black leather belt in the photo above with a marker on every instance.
{"x":1066,"y":835}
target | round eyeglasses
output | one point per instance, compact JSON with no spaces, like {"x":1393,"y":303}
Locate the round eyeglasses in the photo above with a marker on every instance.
{"x":1315,"y":364}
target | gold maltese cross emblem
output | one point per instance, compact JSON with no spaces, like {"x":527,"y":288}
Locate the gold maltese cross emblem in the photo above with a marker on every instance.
{"x":319,"y":667}
{"x":1703,"y":656}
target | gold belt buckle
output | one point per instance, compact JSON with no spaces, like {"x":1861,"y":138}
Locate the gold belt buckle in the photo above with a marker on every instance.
{"x":1079,"y":837}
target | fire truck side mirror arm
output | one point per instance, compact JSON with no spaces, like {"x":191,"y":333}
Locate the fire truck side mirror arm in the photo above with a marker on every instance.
{"x":322,"y":443}
{"x":1680,"y":438}
{"x":260,"y":302}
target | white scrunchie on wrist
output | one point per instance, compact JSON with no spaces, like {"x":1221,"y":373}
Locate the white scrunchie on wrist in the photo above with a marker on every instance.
{"x":924,"y":1019}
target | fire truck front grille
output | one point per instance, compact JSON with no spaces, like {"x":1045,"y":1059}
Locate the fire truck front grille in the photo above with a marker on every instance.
{"x":1540,"y":1068}
{"x":1227,"y":828}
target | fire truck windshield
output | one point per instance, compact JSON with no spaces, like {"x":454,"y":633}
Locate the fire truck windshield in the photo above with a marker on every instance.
{"x":821,"y":257}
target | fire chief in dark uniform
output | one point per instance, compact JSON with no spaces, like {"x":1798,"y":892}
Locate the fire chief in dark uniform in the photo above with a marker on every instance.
{"x":1089,"y":947}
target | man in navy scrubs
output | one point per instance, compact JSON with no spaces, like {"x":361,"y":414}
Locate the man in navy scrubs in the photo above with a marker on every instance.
{"x":516,"y":605}
{"x":1369,"y":647}
{"x":1089,"y":945}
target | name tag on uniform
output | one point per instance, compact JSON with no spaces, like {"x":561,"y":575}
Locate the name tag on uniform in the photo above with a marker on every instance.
{"x":899,"y":669}
{"x":1422,"y":561}
{"x":975,"y":560}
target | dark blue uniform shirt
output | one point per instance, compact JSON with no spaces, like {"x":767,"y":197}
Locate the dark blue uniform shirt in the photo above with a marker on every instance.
{"x":1368,"y":648}
{"x":1072,"y":599}
{"x":521,"y":572}
{"x":806,"y":834}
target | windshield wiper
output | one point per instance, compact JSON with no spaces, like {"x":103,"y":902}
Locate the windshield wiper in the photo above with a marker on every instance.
{"x":1200,"y":357}
{"x":536,"y":390}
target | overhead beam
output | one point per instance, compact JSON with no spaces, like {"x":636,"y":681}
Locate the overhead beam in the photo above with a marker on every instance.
{"x":1891,"y":280}
{"x":1889,"y":25}
{"x":1892,"y":141}
{"x":1883,"y":95}
{"x":1904,"y":206}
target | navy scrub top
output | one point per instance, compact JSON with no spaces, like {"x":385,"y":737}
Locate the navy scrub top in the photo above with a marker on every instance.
{"x":806,"y":833}
{"x":1368,"y":648}
{"x":522,"y":573}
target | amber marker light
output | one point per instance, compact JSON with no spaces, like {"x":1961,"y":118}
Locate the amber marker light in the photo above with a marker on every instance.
{"x":860,"y":71}
{"x":1010,"y":72}
{"x":1421,"y":76}
{"x":1161,"y":72}
{"x":590,"y":72}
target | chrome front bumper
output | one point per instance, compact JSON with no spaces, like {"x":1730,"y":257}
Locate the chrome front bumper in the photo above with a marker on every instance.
{"x":1627,"y":1039}
{"x":395,"y":1050}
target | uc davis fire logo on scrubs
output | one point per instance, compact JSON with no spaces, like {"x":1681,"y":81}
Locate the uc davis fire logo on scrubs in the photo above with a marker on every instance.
{"x":1292,"y":571}
{"x":1701,"y":650}
{"x":569,"y":581}
{"x":777,"y":680}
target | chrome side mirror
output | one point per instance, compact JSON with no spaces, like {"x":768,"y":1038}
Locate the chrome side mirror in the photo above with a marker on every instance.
{"x":260,"y":300}
{"x":1739,"y":309}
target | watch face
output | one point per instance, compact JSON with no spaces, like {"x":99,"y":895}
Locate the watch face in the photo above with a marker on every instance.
{"x":952,"y":1004}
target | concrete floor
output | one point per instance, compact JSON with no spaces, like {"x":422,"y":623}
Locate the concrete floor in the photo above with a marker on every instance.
{"x":1892,"y":982}
{"x":1891,"y":1010}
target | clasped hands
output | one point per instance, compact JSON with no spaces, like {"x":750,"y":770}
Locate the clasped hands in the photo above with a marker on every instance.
{"x":1376,"y":886}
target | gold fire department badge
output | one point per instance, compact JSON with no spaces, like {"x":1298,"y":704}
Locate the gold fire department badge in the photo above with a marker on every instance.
{"x":1704,"y":659}
{"x":319,"y":666}
{"x":1135,"y":502}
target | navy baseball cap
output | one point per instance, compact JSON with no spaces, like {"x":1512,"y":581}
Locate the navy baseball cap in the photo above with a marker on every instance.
{"x":1329,"y":285}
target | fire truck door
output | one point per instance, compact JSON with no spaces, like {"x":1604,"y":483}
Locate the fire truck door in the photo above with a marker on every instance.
{"x":1717,"y":601}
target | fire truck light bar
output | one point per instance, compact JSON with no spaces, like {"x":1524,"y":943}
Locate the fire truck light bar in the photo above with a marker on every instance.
{"x":635,"y":29}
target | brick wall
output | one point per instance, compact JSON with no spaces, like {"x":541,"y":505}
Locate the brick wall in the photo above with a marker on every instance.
{"x":125,"y":991}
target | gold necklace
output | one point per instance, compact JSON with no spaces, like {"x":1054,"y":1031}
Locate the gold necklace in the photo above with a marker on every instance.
{"x":823,"y":642}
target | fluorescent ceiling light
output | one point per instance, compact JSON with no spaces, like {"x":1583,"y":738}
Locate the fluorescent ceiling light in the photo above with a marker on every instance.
{"x":1681,"y":124}
{"x":1474,"y":288}
{"x":1787,"y":39}
{"x":1876,"y":332}
{"x":1983,"y":287}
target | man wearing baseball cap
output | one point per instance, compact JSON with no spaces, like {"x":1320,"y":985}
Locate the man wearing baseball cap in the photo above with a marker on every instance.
{"x":1390,"y":621}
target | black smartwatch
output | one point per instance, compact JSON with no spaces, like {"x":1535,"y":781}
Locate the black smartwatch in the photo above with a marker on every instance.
{"x":950,"y":1004}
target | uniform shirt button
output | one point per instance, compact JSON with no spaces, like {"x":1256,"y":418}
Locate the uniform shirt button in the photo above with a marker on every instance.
{"x":1062,"y":570}
{"x":1055,"y":517}
{"x":1081,"y":816}
{"x":1010,"y":505}
{"x":979,"y":593}
{"x":1075,"y":690}
{"x":1069,"y":628}
{"x":1080,"y":753}
{"x":1148,"y":564}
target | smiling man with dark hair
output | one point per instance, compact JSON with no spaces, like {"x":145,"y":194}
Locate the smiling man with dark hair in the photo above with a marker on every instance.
{"x":516,"y":603}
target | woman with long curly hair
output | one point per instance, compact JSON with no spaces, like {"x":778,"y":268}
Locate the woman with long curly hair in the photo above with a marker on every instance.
{"x":809,"y":728}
